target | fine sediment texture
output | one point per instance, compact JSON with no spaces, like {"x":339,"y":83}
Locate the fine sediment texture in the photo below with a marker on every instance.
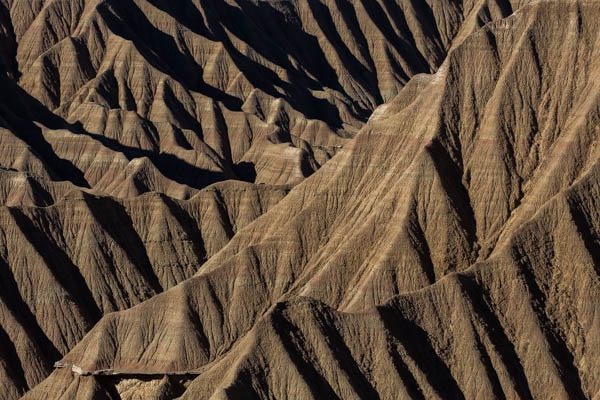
{"x":420,"y":217}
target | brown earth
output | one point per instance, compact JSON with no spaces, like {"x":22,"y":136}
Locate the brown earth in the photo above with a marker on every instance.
{"x":421,"y":218}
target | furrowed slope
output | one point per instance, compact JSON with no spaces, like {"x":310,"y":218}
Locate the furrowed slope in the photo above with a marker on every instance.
{"x":478,"y":219}
{"x":105,"y":103}
{"x":66,"y":265}
{"x":262,"y":91}
{"x":522,"y":324}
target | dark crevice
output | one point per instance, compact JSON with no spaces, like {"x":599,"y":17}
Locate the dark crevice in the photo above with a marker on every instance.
{"x":346,"y":362}
{"x":9,"y":292}
{"x":410,"y":383}
{"x":189,"y":226}
{"x":422,"y":247}
{"x":588,"y":234}
{"x":497,"y":335}
{"x":489,"y":368}
{"x":561,"y":356}
{"x":115,"y":221}
{"x":12,"y":362}
{"x":450,"y":174}
{"x":61,"y":266}
{"x":19,"y":116}
{"x":418,"y":347}
{"x":290,"y":337}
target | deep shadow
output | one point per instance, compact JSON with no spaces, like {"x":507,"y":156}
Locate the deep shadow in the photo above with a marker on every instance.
{"x":489,"y":368}
{"x":421,"y":245}
{"x":562,"y":357}
{"x":60,"y":265}
{"x":243,"y":388}
{"x":450,"y":173}
{"x":274,"y":32}
{"x":497,"y":335}
{"x":298,"y":98}
{"x":357,"y":379}
{"x":10,"y":294}
{"x":245,"y":171}
{"x":406,"y":48}
{"x":18,"y":111}
{"x":42,"y":197}
{"x":424,"y":14}
{"x":157,"y":47}
{"x":12,"y":362}
{"x":170,"y":166}
{"x":185,"y":13}
{"x":189,"y":226}
{"x":587,"y":232}
{"x":115,"y":221}
{"x":416,"y":342}
{"x":317,"y":384}
{"x":8,"y":46}
{"x":324,"y":19}
{"x":263,"y":28}
{"x":410,"y":383}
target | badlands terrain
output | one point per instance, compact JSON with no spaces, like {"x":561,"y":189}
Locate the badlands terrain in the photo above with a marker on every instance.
{"x":299,"y":199}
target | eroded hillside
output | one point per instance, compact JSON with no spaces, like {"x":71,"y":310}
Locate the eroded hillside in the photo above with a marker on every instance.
{"x":434,"y":233}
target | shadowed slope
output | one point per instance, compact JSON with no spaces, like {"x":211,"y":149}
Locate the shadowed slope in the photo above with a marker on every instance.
{"x":122,"y":98}
{"x":66,"y":265}
{"x":479,"y":248}
{"x":277,"y":85}
{"x":116,"y":99}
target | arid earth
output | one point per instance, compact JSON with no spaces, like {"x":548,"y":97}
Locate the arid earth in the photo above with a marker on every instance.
{"x":299,"y":199}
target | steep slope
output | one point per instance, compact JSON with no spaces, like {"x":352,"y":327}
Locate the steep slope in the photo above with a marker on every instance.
{"x":118,"y":99}
{"x":264,"y":91}
{"x":116,"y":117}
{"x":42,"y":144}
{"x":66,"y":265}
{"x":470,"y":232}
{"x":521,"y":325}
